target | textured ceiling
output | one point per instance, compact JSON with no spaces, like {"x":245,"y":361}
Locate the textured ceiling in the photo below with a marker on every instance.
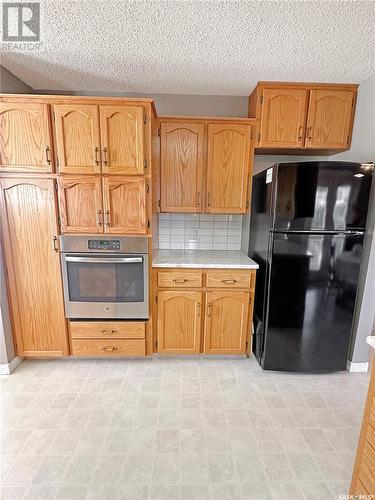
{"x":197,"y":47}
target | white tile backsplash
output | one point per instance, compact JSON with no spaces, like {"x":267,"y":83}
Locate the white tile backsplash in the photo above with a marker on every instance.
{"x":200,"y":232}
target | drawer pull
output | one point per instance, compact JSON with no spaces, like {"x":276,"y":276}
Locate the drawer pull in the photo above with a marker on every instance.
{"x":103,"y":331}
{"x":180,"y":280}
{"x":209,"y":309}
{"x":109,"y":349}
{"x":227,"y":282}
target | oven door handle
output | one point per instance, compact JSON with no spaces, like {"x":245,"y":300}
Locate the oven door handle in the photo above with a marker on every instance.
{"x":98,"y":260}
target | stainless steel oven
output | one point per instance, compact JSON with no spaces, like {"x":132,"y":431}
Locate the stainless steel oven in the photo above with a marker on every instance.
{"x":105,"y":276}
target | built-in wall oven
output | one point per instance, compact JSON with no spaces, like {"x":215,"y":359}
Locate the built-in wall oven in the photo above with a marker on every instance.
{"x":105,"y":276}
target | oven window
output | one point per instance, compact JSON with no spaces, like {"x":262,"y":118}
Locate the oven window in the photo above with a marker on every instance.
{"x":105,"y":282}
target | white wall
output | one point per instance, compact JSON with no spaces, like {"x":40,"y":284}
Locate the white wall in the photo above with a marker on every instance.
{"x":9,"y":83}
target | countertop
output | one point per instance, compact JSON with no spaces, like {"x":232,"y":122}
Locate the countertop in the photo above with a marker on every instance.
{"x":227,"y":259}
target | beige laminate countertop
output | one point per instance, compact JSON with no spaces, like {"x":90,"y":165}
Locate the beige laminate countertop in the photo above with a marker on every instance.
{"x":219,"y":259}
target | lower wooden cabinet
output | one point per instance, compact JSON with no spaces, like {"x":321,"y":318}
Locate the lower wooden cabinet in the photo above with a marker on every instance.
{"x":29,"y":231}
{"x":179,"y":321}
{"x":226,"y":329}
{"x":209,"y":318}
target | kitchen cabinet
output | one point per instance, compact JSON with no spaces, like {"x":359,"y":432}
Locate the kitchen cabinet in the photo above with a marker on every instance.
{"x":80,"y":199}
{"x":294,"y":117}
{"x":283,"y":118}
{"x":227,"y":168}
{"x":206,"y":165}
{"x":329,"y":118}
{"x":25,"y":137}
{"x":94,"y":139}
{"x":179,"y":321}
{"x":124,"y":205}
{"x":226,"y":328}
{"x":29,"y":227}
{"x":363,"y":480}
{"x":203,"y":311}
{"x":95,"y":204}
{"x":77,"y":138}
{"x":182,"y":164}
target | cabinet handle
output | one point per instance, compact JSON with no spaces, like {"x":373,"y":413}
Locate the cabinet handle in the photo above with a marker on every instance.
{"x":98,"y":218}
{"x":199,"y":199}
{"x":107,"y":218}
{"x":209,"y":199}
{"x":180,"y":280}
{"x":104,"y":331}
{"x":97,"y":159}
{"x":54,"y":244}
{"x":105,"y":151}
{"x":199,"y":309}
{"x":109,"y":349}
{"x":48,"y":159}
{"x":309,"y":131}
{"x":300,"y":130}
{"x":209,"y":309}
{"x":229,"y":281}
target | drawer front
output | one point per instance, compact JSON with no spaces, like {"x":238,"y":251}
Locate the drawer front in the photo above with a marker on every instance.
{"x":108,"y":348}
{"x":180,"y":279}
{"x":107,"y":329}
{"x":231,"y":278}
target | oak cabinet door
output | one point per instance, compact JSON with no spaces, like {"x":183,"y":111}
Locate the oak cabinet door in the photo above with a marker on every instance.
{"x":25,"y":139}
{"x":28,"y":214}
{"x":80,"y":200}
{"x":181,"y":166}
{"x":77,"y":138}
{"x":228,"y":167}
{"x":124,"y":205}
{"x":283,"y":118}
{"x":329,"y":119}
{"x":226,"y":329}
{"x":179,"y":321}
{"x":122,"y":139}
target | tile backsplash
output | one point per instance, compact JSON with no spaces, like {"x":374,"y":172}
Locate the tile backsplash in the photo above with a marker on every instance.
{"x":200,"y":231}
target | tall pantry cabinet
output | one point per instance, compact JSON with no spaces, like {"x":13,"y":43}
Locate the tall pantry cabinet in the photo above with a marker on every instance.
{"x":67,"y":164}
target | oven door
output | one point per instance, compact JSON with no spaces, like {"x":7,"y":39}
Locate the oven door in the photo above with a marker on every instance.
{"x":105,"y":286}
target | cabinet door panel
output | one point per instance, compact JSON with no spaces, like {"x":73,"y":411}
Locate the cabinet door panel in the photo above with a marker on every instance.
{"x":226,"y":322}
{"x":228,"y":167}
{"x":179,"y":322}
{"x":122,"y":139}
{"x":77,"y":138}
{"x":329,"y":119}
{"x":124,"y":205}
{"x":80,"y":199}
{"x":283,"y":118}
{"x":181,"y":166}
{"x":25,"y":140}
{"x":35,"y":289}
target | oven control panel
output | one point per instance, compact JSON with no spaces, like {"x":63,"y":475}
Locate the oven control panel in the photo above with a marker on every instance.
{"x":104,"y":244}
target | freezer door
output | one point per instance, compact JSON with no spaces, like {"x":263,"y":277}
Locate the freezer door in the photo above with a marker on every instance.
{"x":320,"y":196}
{"x":310,"y":300}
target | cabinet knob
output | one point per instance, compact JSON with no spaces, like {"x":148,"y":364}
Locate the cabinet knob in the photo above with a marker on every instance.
{"x":180,"y":280}
{"x":227,"y":282}
{"x":98,"y":218}
{"x":109,"y":349}
{"x":209,"y":309}
{"x":48,"y":159}
{"x":97,"y":159}
{"x":309,"y":133}
{"x":300,"y":131}
{"x":107,"y":218}
{"x":105,"y":156}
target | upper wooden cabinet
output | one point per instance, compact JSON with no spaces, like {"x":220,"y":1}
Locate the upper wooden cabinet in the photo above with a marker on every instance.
{"x":29,"y":227}
{"x":205,"y":165}
{"x":227,"y":167}
{"x":94,"y":139}
{"x":122,"y":139}
{"x":299,"y":116}
{"x":92,"y":204}
{"x":182,"y":163}
{"x":25,"y":139}
{"x":77,"y":138}
{"x":329,"y":118}
{"x":283,"y":118}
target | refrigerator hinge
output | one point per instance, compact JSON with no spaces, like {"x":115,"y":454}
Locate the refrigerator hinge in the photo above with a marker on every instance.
{"x":261,"y":99}
{"x":145,"y":118}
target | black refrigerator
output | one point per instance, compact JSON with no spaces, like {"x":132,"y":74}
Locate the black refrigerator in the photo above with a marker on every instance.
{"x":306,"y":233}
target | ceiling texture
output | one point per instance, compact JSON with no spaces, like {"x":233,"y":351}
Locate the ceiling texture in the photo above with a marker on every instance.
{"x":197,"y":47}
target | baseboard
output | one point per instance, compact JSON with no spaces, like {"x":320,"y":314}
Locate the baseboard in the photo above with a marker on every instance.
{"x":356,"y":367}
{"x":8,"y":368}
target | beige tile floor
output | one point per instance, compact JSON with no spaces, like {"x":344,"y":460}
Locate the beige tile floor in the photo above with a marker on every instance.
{"x":177,"y":429}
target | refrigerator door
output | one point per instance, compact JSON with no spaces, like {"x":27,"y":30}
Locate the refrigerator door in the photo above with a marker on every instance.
{"x":320,"y":196}
{"x":311,"y":291}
